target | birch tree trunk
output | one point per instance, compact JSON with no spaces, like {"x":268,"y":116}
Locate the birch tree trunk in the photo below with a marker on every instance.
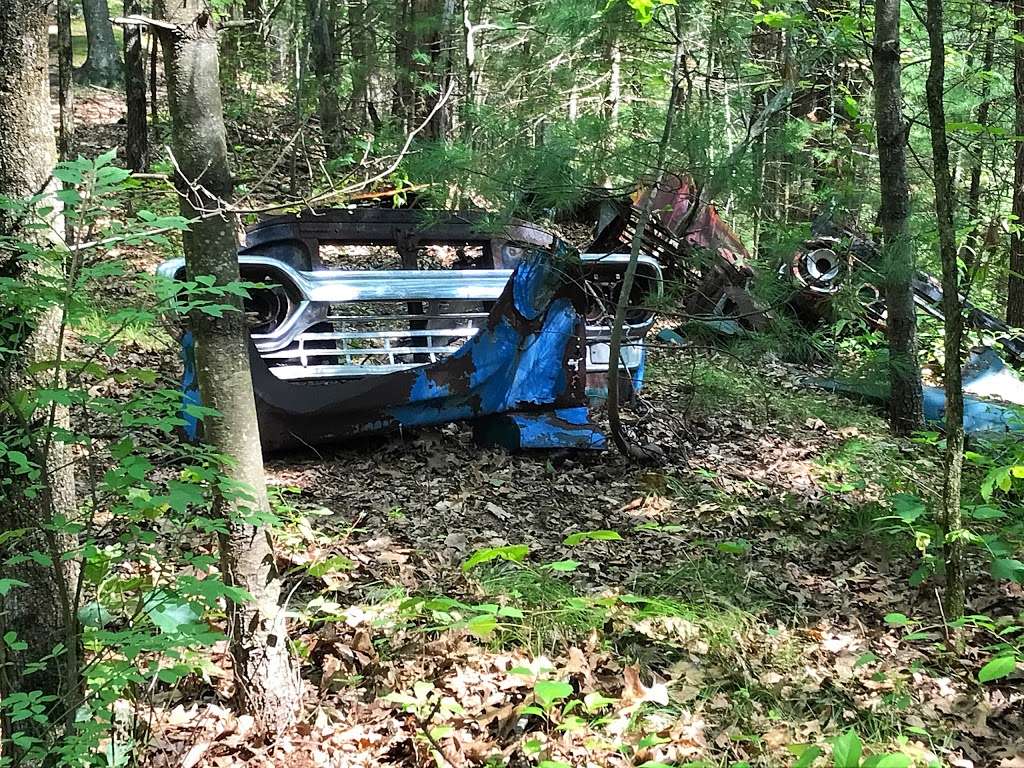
{"x":905,"y":406}
{"x":266,"y":681}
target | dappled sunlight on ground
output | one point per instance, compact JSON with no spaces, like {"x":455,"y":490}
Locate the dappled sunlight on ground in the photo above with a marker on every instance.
{"x":737,"y":613}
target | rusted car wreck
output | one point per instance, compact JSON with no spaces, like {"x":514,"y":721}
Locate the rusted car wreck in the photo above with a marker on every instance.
{"x":447,"y":317}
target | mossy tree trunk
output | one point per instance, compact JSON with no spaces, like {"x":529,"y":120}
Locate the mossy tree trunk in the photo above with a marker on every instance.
{"x":266,"y":682}
{"x":65,"y":81}
{"x":1015,"y":281}
{"x":952,"y":520}
{"x":905,"y":407}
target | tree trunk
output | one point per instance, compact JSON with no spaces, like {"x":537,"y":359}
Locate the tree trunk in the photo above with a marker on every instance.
{"x":363,"y":43}
{"x":402,"y":96}
{"x":41,"y":613}
{"x":65,"y":81}
{"x":973,"y":241}
{"x":952,"y":523}
{"x":442,"y":62}
{"x":1015,"y":281}
{"x":322,"y":18}
{"x":266,"y":682}
{"x":137,"y":141}
{"x":103,"y":64}
{"x":613,"y":97}
{"x":626,"y":446}
{"x":905,"y":407}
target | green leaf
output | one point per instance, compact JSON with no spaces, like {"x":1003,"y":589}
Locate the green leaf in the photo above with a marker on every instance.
{"x":806,"y":756}
{"x":94,"y":615}
{"x":68,"y":172}
{"x":643,"y":10}
{"x":577,"y":538}
{"x":335,"y":564}
{"x":170,"y":615}
{"x":594,"y":701}
{"x":12,"y":641}
{"x":514,"y":553}
{"x":1008,"y":569}
{"x":997,"y":668}
{"x":896,"y":619}
{"x":865,"y":658}
{"x":737,"y":547}
{"x":563,"y":566}
{"x":894,"y":760}
{"x":846,"y":750}
{"x":550,"y":691}
{"x":908,"y":507}
{"x":483,"y":626}
{"x":6,"y":585}
{"x":172,"y":675}
{"x":985,"y":512}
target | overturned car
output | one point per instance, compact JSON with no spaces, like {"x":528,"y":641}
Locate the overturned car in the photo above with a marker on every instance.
{"x":379,"y":319}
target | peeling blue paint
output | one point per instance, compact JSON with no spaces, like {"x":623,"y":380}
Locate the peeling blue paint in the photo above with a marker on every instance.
{"x":979,"y":416}
{"x":428,"y":414}
{"x":508,"y":371}
{"x":640,"y":371}
{"x":539,"y":376}
{"x":425,"y":388}
{"x":579,"y":415}
{"x":564,"y":428}
{"x":533,"y":284}
{"x":189,"y":386}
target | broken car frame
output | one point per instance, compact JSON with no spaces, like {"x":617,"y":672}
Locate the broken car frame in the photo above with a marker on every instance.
{"x":507,"y":327}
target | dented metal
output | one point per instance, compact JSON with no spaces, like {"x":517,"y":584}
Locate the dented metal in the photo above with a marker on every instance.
{"x":518,"y":343}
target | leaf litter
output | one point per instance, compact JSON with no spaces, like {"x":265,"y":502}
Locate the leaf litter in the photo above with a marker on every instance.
{"x":713,"y":607}
{"x":738,"y":614}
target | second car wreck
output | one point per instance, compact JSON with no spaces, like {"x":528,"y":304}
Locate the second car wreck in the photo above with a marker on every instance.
{"x":512,"y":335}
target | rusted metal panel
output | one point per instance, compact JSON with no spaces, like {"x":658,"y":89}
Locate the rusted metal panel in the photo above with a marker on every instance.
{"x":519,"y":362}
{"x":528,"y":358}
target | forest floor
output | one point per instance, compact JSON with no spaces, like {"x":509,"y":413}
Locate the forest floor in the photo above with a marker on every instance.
{"x":740,"y":601}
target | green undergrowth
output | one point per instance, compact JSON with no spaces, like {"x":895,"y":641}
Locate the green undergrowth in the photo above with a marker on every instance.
{"x":732,"y":382}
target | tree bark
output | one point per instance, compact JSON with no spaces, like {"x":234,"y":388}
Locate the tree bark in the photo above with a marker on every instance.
{"x":65,"y":81}
{"x":42,"y":613}
{"x":103,"y":64}
{"x":137,"y":140}
{"x":363,"y":42}
{"x":402,"y":96}
{"x":973,"y":241}
{"x":441,"y":45}
{"x":1015,"y":281}
{"x":622,"y":442}
{"x":266,"y":682}
{"x":322,"y":19}
{"x":905,"y":407}
{"x":952,"y":523}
